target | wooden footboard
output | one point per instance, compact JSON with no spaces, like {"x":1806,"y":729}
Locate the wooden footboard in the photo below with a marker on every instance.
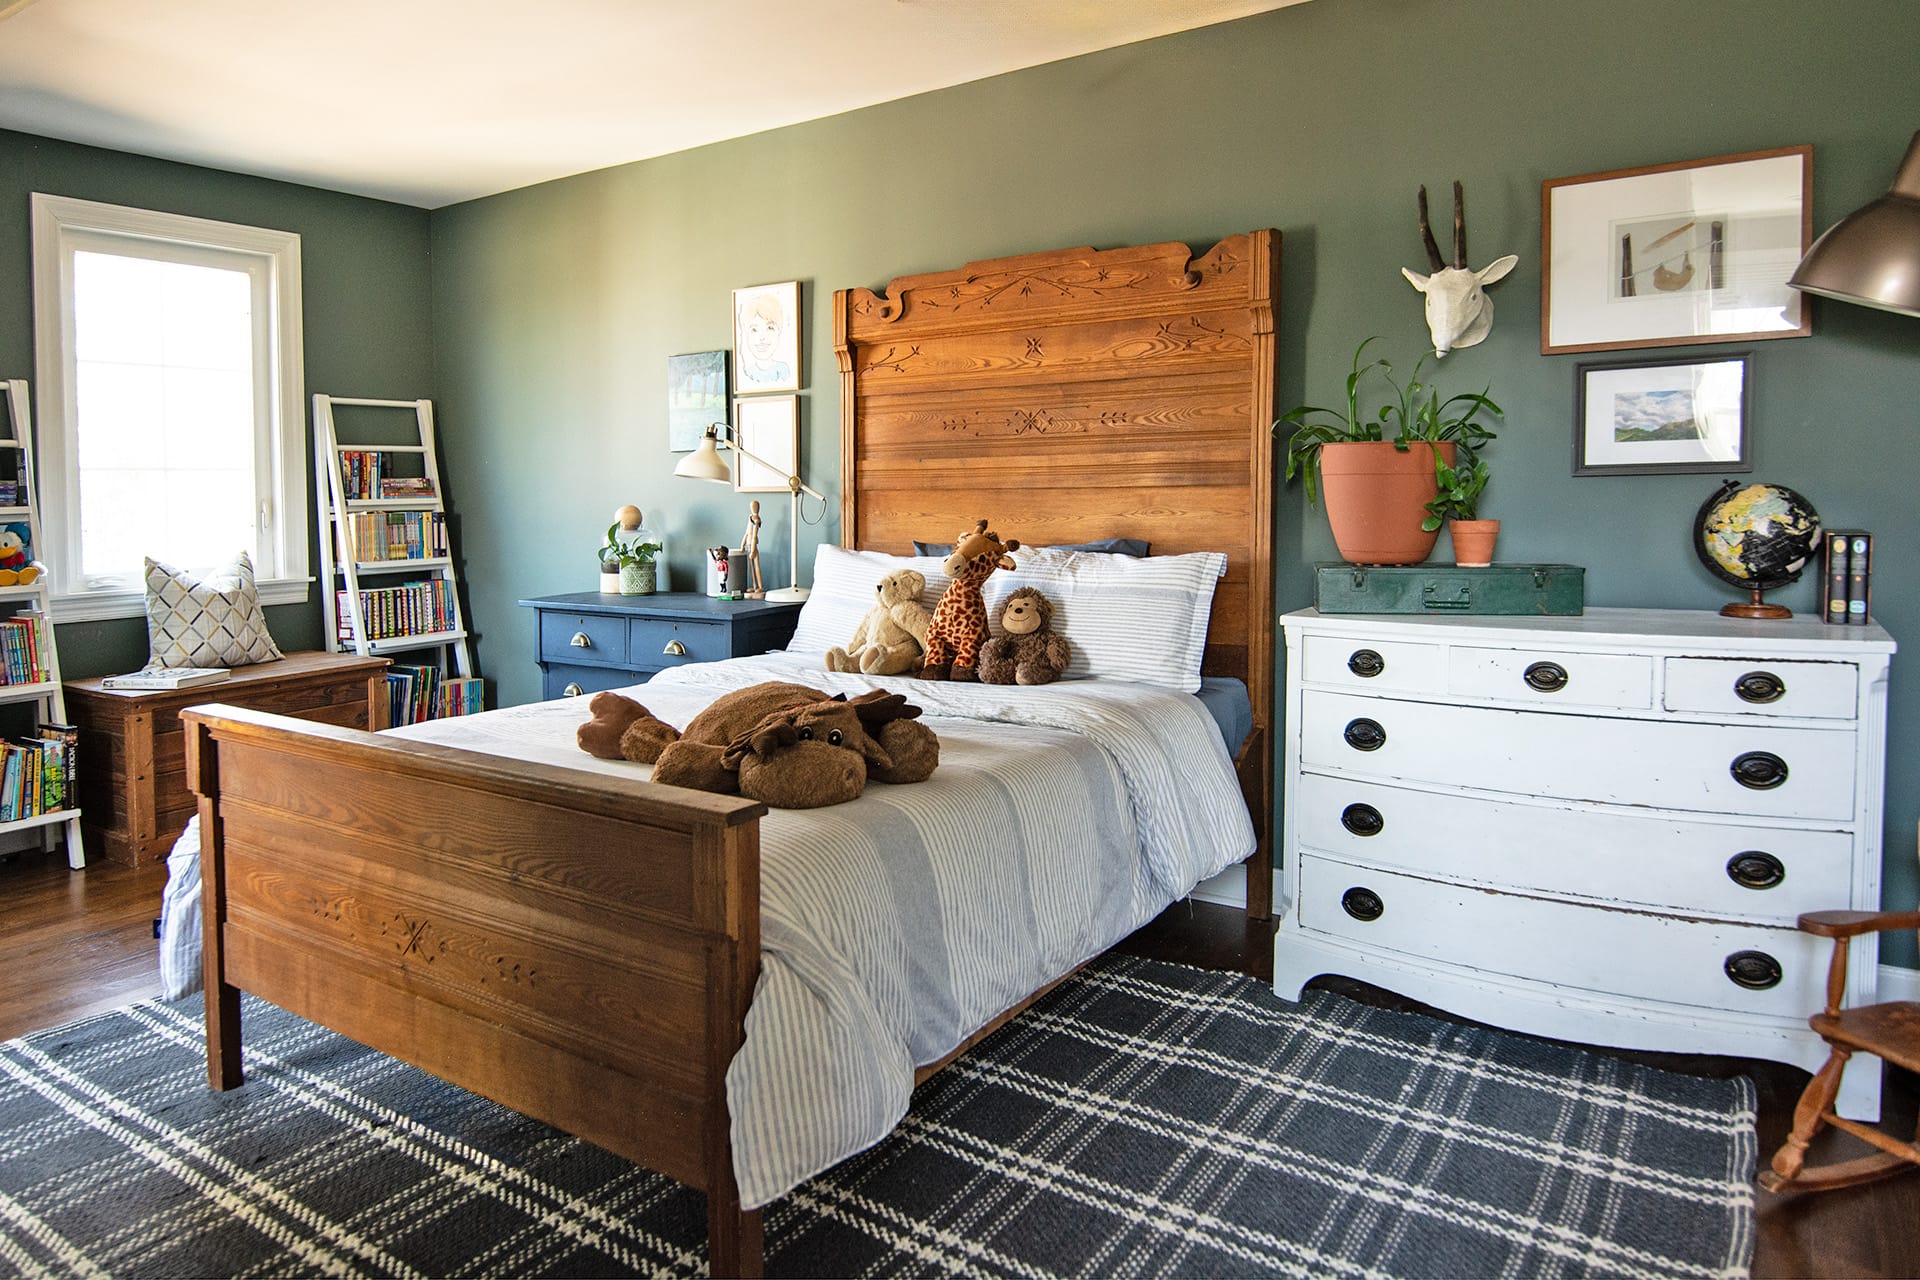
{"x":579,"y":948}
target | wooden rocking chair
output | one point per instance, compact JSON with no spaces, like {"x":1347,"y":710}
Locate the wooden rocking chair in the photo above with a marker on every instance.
{"x":1888,"y":1031}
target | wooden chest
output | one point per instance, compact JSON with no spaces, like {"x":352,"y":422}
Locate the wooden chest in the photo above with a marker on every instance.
{"x":133,"y":784}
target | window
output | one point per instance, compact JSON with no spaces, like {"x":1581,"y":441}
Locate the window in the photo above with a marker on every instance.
{"x":170,"y":401}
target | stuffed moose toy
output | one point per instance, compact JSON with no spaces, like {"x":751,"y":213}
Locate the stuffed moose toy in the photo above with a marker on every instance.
{"x":785,"y":745}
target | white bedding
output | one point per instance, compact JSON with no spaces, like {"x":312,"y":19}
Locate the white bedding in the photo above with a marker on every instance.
{"x":1061,"y":818}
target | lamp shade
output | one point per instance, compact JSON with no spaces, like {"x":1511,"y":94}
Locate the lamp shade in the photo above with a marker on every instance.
{"x":705,"y":462}
{"x":1872,"y":256}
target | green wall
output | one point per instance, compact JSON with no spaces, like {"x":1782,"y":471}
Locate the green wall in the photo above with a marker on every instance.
{"x":556,"y":306}
{"x":364,"y":268}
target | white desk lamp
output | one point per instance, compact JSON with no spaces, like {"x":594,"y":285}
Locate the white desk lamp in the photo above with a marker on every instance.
{"x":705,"y":463}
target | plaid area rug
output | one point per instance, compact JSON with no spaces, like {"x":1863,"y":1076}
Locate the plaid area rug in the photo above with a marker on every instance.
{"x":1144,"y":1119}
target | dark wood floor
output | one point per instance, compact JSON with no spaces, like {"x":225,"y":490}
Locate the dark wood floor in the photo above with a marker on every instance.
{"x":75,"y":943}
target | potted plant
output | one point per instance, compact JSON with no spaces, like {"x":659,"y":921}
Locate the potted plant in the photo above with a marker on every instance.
{"x":632,"y":562}
{"x":1457,"y":502}
{"x":1379,"y":484}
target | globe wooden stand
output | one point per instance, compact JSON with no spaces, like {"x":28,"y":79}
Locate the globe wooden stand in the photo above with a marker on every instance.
{"x":1755,"y":608}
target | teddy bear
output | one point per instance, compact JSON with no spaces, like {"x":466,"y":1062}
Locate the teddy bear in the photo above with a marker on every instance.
{"x":890,"y":639}
{"x":785,"y":745}
{"x":1031,"y":651}
{"x":959,"y":624}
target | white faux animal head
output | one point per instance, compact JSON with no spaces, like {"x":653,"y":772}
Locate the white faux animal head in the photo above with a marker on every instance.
{"x":1459,"y":313}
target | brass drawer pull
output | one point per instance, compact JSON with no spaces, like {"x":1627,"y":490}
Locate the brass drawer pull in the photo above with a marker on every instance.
{"x":1547,"y":677}
{"x":1756,"y":869}
{"x":1362,"y":904}
{"x":573,"y":690}
{"x":675,"y":649}
{"x":1363,"y":734}
{"x":1760,"y":686}
{"x":1366,"y":663}
{"x":1759,"y":770}
{"x":1754,"y":970}
{"x":1362,"y":820}
{"x":581,"y":640}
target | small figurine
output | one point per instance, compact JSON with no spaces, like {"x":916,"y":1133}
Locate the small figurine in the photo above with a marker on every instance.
{"x":717,"y":573}
{"x":750,"y":548}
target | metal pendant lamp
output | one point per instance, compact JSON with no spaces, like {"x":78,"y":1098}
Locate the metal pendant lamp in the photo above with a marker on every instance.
{"x":1872,"y":256}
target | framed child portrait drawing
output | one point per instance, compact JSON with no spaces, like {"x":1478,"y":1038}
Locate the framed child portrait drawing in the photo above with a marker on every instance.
{"x":766,"y":338}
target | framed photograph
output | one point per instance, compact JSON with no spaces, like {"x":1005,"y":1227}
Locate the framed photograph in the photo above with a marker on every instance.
{"x":696,"y":397}
{"x":1697,"y":251}
{"x":766,"y":338}
{"x":768,"y":428}
{"x":1661,"y":417}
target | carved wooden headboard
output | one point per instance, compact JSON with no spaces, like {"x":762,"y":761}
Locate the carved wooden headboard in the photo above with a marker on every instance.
{"x":1075,"y":395}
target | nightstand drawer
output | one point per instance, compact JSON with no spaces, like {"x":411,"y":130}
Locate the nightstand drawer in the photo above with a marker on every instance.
{"x":565,"y":681}
{"x":1373,"y":665}
{"x":1553,"y":678}
{"x":654,"y":644}
{"x":583,"y":637}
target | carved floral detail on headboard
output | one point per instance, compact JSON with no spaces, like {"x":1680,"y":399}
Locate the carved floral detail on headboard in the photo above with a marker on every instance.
{"x":1173,"y":336}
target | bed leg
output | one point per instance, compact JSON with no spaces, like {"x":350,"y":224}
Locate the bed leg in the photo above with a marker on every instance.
{"x":734,"y":1239}
{"x":223,"y":1037}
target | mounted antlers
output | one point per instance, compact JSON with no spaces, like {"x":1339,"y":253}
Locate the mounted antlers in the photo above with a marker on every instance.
{"x":1459,"y":313}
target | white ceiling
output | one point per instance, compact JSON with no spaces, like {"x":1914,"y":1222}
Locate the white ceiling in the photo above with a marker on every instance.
{"x":429,"y":102}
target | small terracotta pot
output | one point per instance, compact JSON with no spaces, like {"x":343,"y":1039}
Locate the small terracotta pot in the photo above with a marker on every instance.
{"x":1377,"y":496}
{"x":1473,"y":542}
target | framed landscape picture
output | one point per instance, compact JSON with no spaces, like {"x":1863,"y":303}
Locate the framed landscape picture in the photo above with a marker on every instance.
{"x":1661,"y":417}
{"x":766,"y":338}
{"x":1696,"y":251}
{"x":696,"y":397}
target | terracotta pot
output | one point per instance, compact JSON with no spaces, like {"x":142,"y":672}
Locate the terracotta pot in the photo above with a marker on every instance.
{"x":1377,"y":496}
{"x":1473,"y":542}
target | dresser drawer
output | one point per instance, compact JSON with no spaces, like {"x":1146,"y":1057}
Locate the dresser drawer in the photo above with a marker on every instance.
{"x":1625,"y":954}
{"x":1662,"y":764}
{"x":1741,"y":686}
{"x":1374,"y":665}
{"x":562,"y":680}
{"x":657,"y":643}
{"x":1551,"y":678}
{"x":591,"y":638}
{"x":1704,"y":868}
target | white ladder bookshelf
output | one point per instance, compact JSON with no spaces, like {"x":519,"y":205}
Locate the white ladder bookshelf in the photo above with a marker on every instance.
{"x":376,"y":621}
{"x":21,"y":599}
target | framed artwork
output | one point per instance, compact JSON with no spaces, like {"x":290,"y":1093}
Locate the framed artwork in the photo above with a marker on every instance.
{"x":769,"y":429}
{"x":1696,"y":251}
{"x":766,"y":338}
{"x":1661,"y":417}
{"x":696,"y":397}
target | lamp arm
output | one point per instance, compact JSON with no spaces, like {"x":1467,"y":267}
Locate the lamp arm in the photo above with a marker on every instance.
{"x":793,"y":481}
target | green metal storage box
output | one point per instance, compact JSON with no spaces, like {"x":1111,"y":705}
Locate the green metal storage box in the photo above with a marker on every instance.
{"x":1517,"y":589}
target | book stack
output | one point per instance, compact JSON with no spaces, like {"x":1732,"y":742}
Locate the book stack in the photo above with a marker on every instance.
{"x":1847,"y":595}
{"x":364,"y":473}
{"x":37,"y":773}
{"x":20,"y":650}
{"x":422,"y":693}
{"x":411,"y":609}
{"x":393,"y":535}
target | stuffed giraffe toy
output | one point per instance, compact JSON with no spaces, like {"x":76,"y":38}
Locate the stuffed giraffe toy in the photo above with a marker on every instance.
{"x":959,"y":624}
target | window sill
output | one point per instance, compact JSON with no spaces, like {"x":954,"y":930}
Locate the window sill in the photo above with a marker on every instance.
{"x":99,"y":606}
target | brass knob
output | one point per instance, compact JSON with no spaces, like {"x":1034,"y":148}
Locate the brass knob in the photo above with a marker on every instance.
{"x":581,"y":640}
{"x":573,"y":690}
{"x":675,"y":649}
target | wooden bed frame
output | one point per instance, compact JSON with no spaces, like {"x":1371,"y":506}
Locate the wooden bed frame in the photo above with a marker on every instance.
{"x":414,"y":897}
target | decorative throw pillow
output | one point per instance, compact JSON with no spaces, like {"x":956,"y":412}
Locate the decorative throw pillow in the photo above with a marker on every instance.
{"x":209,"y":619}
{"x":842,"y":593}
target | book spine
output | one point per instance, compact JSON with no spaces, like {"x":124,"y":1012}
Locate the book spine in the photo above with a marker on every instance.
{"x":1834,"y":605}
{"x":1859,"y":579}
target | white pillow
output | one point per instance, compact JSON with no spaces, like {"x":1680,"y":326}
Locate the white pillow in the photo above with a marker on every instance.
{"x":206,"y":619}
{"x":843,"y":583}
{"x":1124,"y":617}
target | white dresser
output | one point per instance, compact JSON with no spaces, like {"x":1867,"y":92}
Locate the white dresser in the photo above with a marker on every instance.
{"x":1597,"y":828}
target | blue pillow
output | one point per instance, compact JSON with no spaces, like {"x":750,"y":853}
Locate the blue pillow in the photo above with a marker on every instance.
{"x":1110,"y":546}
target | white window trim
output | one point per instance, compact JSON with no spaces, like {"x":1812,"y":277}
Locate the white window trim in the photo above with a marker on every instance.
{"x":57,"y":482}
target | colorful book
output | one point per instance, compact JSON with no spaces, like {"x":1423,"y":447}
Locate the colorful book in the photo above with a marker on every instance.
{"x":166,"y":678}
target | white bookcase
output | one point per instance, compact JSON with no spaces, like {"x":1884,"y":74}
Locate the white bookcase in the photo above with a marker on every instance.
{"x":30,"y":600}
{"x":390,"y":587}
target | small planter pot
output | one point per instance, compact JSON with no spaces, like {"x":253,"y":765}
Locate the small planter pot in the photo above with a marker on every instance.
{"x":637,"y":579}
{"x":1377,"y":496}
{"x":1473,"y":542}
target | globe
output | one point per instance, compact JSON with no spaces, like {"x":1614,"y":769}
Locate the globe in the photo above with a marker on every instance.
{"x":1756,"y":536}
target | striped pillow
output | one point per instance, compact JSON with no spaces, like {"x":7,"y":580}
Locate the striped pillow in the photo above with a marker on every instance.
{"x":1125,"y":618}
{"x":843,"y":583}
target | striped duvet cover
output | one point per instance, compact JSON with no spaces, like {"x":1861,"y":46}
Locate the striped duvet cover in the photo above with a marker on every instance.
{"x":892,"y":927}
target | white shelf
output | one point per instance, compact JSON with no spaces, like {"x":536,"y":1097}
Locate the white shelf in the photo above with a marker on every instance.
{"x":421,"y":503}
{"x":402,"y":566}
{"x":22,"y":692}
{"x":401,"y":644}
